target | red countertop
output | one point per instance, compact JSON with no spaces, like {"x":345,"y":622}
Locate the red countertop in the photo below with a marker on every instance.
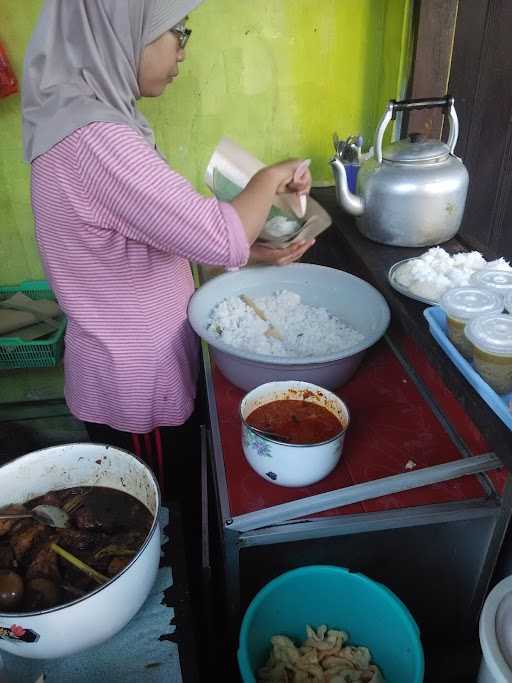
{"x":391,"y":424}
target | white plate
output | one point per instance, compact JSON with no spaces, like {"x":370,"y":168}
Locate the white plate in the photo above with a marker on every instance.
{"x":405,"y":290}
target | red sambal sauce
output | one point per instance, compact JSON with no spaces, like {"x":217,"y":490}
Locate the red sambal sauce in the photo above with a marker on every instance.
{"x":296,"y":421}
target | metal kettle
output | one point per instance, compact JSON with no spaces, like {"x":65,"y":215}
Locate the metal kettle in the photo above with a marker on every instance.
{"x":413,"y":193}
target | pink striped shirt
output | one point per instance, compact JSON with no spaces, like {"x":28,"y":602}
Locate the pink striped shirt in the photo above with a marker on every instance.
{"x":115,"y":227}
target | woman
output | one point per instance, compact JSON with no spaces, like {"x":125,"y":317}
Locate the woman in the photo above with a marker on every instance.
{"x":115,"y":225}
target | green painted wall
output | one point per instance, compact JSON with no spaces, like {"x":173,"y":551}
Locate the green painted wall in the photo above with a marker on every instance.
{"x":278,"y":76}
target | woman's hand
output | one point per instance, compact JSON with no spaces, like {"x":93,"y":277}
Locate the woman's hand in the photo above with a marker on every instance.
{"x":279,"y":257}
{"x":294,"y":176}
{"x":254,"y":202}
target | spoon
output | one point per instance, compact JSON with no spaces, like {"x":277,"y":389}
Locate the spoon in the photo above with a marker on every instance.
{"x":271,"y":435}
{"x":335,"y":141}
{"x":271,"y":332}
{"x":47,"y":514}
{"x":339,"y":145}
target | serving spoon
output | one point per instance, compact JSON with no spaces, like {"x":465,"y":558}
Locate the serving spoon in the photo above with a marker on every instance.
{"x":271,"y":332}
{"x":47,"y":514}
{"x":271,"y":435}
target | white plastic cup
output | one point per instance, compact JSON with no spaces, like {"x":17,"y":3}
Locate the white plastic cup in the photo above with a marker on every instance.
{"x":497,"y":281}
{"x":462,"y":304}
{"x":495,"y":635}
{"x":508,"y":302}
{"x":491,"y":338}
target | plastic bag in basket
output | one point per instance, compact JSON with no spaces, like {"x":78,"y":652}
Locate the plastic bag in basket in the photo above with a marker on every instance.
{"x":8,"y":83}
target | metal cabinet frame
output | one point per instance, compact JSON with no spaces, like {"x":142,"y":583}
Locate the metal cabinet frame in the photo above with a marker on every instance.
{"x":293,"y":521}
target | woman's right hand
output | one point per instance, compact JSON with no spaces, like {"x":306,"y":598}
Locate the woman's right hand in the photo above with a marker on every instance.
{"x":286,"y":176}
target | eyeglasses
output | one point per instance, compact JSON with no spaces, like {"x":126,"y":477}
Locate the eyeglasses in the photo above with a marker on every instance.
{"x":182,"y":33}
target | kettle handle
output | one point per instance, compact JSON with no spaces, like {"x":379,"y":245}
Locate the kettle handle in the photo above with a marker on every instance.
{"x":394,"y":106}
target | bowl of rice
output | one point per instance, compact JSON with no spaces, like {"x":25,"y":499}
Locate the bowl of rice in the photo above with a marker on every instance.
{"x":319,"y":323}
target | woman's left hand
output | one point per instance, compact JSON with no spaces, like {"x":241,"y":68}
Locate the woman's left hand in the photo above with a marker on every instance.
{"x":279,"y":257}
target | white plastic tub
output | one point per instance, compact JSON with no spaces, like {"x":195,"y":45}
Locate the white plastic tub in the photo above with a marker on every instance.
{"x":496,"y":635}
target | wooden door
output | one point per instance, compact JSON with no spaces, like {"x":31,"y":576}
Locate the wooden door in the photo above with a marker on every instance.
{"x":481,"y":82}
{"x":464,"y":47}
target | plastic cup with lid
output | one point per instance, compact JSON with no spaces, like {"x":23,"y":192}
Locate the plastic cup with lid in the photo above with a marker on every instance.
{"x":491,"y":338}
{"x":508,"y":302}
{"x":462,"y":304}
{"x":498,"y":281}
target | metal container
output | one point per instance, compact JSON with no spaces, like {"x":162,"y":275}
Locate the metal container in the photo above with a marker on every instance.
{"x":352,"y":299}
{"x":413,"y":193}
{"x":97,"y":616}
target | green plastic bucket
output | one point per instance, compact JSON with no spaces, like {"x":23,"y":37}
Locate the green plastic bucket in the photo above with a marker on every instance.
{"x":372,"y":615}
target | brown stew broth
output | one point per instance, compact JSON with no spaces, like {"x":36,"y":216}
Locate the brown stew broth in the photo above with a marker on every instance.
{"x":106,"y":530}
{"x":296,"y":422}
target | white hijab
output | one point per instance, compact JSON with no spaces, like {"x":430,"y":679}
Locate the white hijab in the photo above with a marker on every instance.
{"x":82,"y":63}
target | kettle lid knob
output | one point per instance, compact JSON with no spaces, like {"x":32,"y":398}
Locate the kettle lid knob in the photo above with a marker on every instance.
{"x":417,"y":137}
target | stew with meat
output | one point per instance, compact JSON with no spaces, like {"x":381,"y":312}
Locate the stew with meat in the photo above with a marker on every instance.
{"x":105,"y":531}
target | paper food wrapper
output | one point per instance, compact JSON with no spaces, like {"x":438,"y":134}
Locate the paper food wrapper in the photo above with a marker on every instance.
{"x":27,"y":319}
{"x":228,"y":172}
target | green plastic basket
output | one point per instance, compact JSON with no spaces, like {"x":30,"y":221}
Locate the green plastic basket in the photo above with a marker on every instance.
{"x":39,"y":353}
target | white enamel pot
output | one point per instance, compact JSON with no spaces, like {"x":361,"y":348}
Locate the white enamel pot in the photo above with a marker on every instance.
{"x":287,"y":464}
{"x":97,"y":616}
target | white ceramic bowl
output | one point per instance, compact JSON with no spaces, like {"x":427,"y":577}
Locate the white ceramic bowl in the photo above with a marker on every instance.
{"x":290,"y":464}
{"x":97,"y":616}
{"x":352,"y":299}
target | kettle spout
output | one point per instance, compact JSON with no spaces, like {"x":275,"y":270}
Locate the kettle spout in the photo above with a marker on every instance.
{"x":352,"y":203}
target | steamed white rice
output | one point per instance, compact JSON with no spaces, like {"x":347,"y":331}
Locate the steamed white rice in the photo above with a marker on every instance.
{"x":279,"y":226}
{"x":306,"y":330}
{"x":436,"y":271}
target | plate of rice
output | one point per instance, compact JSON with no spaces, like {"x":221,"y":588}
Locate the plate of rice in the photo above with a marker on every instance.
{"x":427,"y":277}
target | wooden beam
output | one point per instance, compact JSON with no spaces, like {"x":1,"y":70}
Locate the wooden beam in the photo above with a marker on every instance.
{"x":435,"y":30}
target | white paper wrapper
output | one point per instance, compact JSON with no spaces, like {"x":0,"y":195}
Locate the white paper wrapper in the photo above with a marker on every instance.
{"x":228,"y":172}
